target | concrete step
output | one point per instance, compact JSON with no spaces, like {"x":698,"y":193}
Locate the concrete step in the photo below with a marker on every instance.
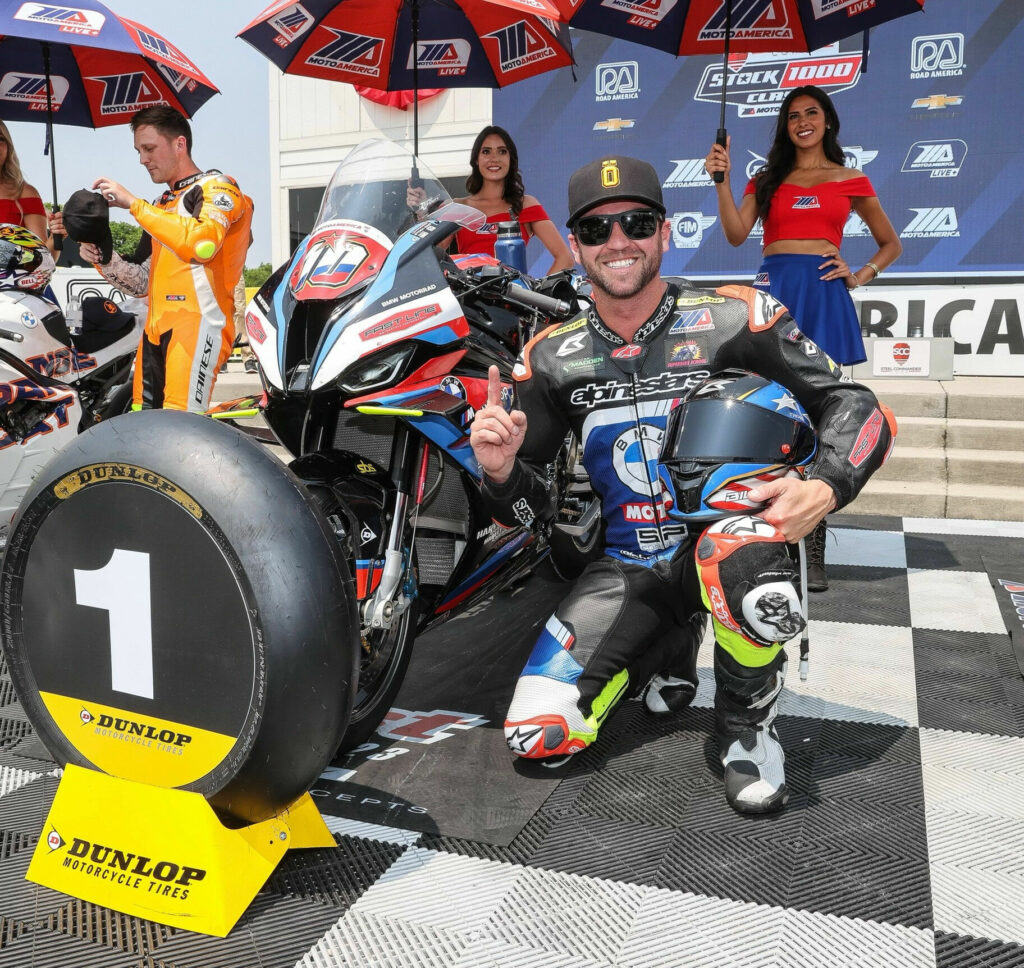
{"x":925,"y":499}
{"x":921,"y":432}
{"x":914,"y":464}
{"x":985,"y":502}
{"x":997,"y":468}
{"x":961,"y":434}
{"x":911,"y":398}
{"x":985,"y":398}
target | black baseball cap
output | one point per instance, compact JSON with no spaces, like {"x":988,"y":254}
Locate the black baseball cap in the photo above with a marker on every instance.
{"x":87,"y":219}
{"x":611,"y":179}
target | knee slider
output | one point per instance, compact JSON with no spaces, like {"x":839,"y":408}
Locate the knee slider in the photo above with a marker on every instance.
{"x":748,"y":580}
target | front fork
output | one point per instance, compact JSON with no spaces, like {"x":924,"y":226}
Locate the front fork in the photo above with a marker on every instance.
{"x":409,"y":459}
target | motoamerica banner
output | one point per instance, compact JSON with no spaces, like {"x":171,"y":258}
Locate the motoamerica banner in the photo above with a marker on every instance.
{"x":925,"y":117}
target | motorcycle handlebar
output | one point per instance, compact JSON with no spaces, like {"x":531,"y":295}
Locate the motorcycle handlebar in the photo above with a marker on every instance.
{"x":536,"y":300}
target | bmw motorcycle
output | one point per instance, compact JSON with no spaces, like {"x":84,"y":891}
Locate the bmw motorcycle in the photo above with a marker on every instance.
{"x":53,"y":385}
{"x":374,"y":347}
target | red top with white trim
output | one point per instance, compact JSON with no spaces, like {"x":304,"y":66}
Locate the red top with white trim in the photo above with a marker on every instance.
{"x":818,"y":212}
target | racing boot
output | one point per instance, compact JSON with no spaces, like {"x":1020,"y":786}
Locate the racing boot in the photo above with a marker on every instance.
{"x":751,"y":754}
{"x":673,"y":689}
{"x":817,"y":579}
{"x":547,"y":717}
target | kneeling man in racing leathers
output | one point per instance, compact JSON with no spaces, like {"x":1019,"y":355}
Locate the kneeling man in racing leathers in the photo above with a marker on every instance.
{"x":636,"y":616}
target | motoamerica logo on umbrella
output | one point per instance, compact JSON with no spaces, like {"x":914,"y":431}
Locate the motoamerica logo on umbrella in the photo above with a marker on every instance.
{"x":758,"y":83}
{"x":31,"y":88}
{"x":127,"y":93}
{"x":68,"y":20}
{"x":518,"y":45}
{"x":449,"y":57}
{"x":350,"y":52}
{"x":751,"y":20}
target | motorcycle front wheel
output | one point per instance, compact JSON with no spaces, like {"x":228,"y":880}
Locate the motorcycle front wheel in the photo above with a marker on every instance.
{"x":384,"y":654}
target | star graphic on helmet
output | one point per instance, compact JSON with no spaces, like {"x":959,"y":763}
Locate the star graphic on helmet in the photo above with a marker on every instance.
{"x":520,"y":740}
{"x":785,"y":402}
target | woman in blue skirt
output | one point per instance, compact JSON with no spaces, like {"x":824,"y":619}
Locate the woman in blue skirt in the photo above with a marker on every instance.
{"x":803,"y":196}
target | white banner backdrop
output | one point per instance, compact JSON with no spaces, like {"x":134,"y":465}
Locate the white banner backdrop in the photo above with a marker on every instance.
{"x":984,"y":321}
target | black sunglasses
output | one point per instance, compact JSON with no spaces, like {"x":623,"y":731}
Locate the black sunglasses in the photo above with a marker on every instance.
{"x":637,"y":224}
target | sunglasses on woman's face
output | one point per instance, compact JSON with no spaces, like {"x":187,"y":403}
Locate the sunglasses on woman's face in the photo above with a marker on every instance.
{"x":636,"y":224}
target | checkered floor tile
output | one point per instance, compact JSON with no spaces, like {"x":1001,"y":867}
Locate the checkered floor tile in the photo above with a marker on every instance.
{"x":902,"y":844}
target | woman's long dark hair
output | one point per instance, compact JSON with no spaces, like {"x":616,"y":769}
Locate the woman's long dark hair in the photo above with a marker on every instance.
{"x":782,"y":154}
{"x":513,"y":191}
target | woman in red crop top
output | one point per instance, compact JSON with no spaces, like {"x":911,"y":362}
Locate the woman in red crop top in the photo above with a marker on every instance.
{"x":803,"y":196}
{"x":495,"y":188}
{"x":20,"y":203}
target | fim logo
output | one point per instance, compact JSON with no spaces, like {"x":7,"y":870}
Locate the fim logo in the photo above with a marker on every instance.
{"x":938,"y":102}
{"x":688,"y":228}
{"x":941,"y":159}
{"x":617,"y":82}
{"x":688,"y":173}
{"x":611,"y":125}
{"x":938,"y":55}
{"x":932,"y":223}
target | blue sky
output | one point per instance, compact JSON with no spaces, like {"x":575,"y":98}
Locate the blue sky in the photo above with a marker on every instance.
{"x":230,"y":131}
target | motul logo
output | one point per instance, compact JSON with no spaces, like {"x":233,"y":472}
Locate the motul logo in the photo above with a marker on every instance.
{"x":932,"y":223}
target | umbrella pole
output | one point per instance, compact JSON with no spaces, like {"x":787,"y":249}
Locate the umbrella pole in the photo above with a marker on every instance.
{"x":722,"y":136}
{"x":415,"y":179}
{"x":57,"y":240}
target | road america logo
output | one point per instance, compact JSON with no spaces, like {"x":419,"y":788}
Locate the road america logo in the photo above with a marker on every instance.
{"x":619,"y":81}
{"x":290,"y":24}
{"x":30,"y":89}
{"x":941,"y":159}
{"x":68,"y":20}
{"x":938,"y":55}
{"x":357,"y":53}
{"x":751,"y":20}
{"x":932,"y":223}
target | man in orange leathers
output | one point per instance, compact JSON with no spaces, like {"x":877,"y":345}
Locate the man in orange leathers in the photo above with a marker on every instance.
{"x":199,"y":231}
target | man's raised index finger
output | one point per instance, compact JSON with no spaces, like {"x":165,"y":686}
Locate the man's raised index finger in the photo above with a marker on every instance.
{"x":493,"y":387}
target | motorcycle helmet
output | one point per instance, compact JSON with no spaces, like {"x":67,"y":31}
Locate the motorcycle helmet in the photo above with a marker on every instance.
{"x":25,"y":262}
{"x":730,"y":433}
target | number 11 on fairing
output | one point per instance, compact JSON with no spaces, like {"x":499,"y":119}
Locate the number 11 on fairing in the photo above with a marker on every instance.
{"x":121,"y":587}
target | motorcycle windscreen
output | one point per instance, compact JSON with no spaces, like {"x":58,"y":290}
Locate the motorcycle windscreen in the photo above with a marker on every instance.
{"x":340,"y":257}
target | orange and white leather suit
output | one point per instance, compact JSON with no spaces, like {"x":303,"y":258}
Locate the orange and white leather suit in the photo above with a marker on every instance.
{"x":200,"y":229}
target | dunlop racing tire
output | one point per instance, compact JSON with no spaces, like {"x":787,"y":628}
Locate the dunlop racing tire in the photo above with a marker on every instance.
{"x":177,"y":612}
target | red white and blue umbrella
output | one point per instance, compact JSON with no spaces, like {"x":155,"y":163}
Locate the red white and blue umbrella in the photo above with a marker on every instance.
{"x":370,"y":43}
{"x":84,"y":65}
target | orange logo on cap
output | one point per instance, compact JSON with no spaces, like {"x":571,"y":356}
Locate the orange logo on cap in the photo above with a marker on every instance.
{"x":609,"y":173}
{"x":109,"y":307}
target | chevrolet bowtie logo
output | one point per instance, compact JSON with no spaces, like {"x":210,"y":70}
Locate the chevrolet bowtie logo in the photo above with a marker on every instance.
{"x":614,"y":124}
{"x":936,"y":102}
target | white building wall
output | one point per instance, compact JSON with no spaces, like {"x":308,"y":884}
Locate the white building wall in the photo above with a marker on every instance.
{"x":313,"y":124}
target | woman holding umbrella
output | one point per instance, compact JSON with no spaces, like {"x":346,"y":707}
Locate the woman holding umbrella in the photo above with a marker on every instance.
{"x":803,"y":196}
{"x":20,"y":203}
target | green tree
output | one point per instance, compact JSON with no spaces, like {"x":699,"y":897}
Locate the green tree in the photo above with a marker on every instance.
{"x":257,"y":276}
{"x":126,"y":236}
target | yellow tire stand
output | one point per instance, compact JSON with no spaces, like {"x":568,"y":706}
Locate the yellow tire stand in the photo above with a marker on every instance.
{"x":160,"y":853}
